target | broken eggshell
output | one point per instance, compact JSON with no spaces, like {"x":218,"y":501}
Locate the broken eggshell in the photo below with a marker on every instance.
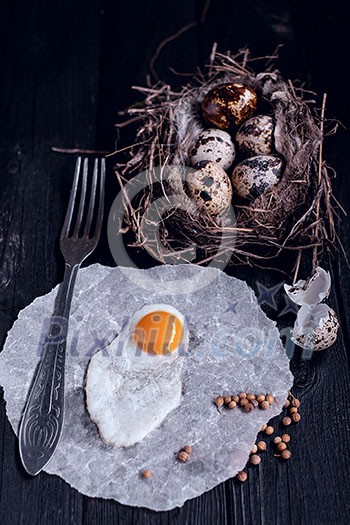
{"x":311,"y":291}
{"x":316,"y":327}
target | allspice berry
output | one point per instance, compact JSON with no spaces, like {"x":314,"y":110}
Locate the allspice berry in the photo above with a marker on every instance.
{"x":219,"y":401}
{"x":270,"y":399}
{"x":232,"y":404}
{"x":244,"y":401}
{"x":263,"y":428}
{"x":146,"y":474}
{"x":285,"y":438}
{"x":264,"y":405}
{"x":248,"y":407}
{"x":254,"y":449}
{"x":255,"y":459}
{"x":260,"y":398}
{"x":286,"y":454}
{"x":281,"y":446}
{"x":269,"y":430}
{"x":250,"y":397}
{"x":254,"y":403}
{"x":262,"y":446}
{"x":182,"y":456}
{"x":295,"y":402}
{"x":286,"y":421}
{"x":187,"y":449}
{"x":296,"y":417}
{"x":227,"y":400}
{"x":235,"y":398}
{"x":242,"y":476}
{"x":286,"y":403}
{"x":293,"y":410}
{"x":242,"y":395}
{"x":277,"y":440}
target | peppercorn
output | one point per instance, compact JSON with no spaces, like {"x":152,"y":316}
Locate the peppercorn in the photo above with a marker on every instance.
{"x":269,"y":430}
{"x":293,"y":410}
{"x":285,"y":438}
{"x":264,"y":405}
{"x":281,"y":446}
{"x":286,"y":454}
{"x":250,"y":397}
{"x":255,"y":459}
{"x":242,"y":476}
{"x":227,"y":400}
{"x":296,"y":418}
{"x":286,"y":421}
{"x":232,"y":404}
{"x":295,"y":402}
{"x":219,"y":401}
{"x":277,"y":440}
{"x":235,"y":398}
{"x":260,"y":398}
{"x":242,"y":395}
{"x":286,"y":403}
{"x":146,"y":474}
{"x":262,"y":446}
{"x":187,"y":449}
{"x":254,"y":449}
{"x":248,"y":407}
{"x":243,"y":402}
{"x":270,"y":399}
{"x":182,"y":456}
{"x":263,"y":428}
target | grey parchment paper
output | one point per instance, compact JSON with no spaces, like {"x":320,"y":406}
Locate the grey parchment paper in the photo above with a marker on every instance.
{"x":233,"y":346}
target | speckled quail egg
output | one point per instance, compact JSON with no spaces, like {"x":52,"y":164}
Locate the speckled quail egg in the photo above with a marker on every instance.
{"x":253,"y":176}
{"x":214,"y":145}
{"x":255,"y":136}
{"x":210,"y":187}
{"x":316,"y":327}
{"x":229,"y":105}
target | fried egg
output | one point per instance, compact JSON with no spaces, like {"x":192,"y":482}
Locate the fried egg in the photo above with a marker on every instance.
{"x":133,"y":384}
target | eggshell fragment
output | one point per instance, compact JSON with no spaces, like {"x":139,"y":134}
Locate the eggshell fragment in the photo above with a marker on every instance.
{"x":312,"y":290}
{"x":213,"y":145}
{"x":316,"y":327}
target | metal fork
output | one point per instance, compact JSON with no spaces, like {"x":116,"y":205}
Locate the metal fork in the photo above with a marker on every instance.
{"x":42,"y":421}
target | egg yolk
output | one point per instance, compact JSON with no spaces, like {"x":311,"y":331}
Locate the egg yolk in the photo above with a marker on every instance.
{"x":158,"y":333}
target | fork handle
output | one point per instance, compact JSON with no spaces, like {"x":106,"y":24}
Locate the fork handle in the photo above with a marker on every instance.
{"x":42,"y":421}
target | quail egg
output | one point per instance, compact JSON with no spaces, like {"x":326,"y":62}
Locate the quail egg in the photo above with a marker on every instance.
{"x":255,"y":136}
{"x":210,"y":187}
{"x":229,"y":105}
{"x":316,"y":327}
{"x":253,"y":176}
{"x":214,"y":145}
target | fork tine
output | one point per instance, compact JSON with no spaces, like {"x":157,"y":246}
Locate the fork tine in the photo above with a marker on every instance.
{"x":101,"y":200}
{"x":92,"y":200}
{"x":69,"y":213}
{"x":82,"y":199}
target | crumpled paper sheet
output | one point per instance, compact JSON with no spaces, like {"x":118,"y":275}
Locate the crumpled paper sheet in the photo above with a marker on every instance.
{"x":233,"y":346}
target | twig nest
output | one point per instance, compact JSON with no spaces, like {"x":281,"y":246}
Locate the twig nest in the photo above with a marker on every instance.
{"x":254,"y":175}
{"x":316,"y":327}
{"x":214,"y":145}
{"x":255,"y":136}
{"x":312,"y":290}
{"x":210,"y":187}
{"x":229,"y":105}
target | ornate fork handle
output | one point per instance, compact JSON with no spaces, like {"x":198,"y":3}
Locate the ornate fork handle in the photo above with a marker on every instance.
{"x":42,"y":421}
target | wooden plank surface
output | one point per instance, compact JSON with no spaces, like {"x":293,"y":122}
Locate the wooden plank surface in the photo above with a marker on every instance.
{"x":66,"y":70}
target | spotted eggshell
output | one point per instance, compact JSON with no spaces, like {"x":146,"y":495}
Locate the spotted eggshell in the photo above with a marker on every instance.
{"x":323,"y":337}
{"x":229,"y":105}
{"x":210,"y":187}
{"x":255,"y":136}
{"x":214,"y":145}
{"x":253,"y":176}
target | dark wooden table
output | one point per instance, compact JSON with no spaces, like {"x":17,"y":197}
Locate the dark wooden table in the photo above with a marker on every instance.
{"x":66,"y":69}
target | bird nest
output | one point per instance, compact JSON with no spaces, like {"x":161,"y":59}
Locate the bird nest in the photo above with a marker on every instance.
{"x":295,"y":216}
